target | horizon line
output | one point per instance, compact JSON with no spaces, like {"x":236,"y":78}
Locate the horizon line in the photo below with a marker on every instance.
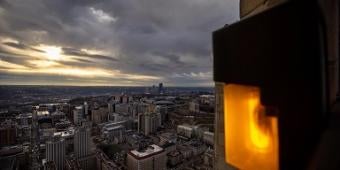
{"x":98,"y":85}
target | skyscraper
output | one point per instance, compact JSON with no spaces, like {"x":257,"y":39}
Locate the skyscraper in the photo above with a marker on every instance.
{"x":160,"y":88}
{"x":78,"y":115}
{"x":82,"y":148}
{"x":111,"y":106}
{"x":55,"y":152}
{"x":82,"y":142}
{"x":86,"y":108}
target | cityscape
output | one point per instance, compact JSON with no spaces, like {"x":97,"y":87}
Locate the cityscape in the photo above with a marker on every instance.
{"x":154,"y":127}
{"x":169,"y":85}
{"x":108,"y":85}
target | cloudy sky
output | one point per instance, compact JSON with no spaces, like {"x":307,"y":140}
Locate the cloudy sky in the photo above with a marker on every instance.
{"x":110,"y":42}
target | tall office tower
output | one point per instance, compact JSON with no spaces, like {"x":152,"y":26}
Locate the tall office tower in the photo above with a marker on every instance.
{"x":160,"y":88}
{"x":55,"y":152}
{"x":82,"y":142}
{"x":111,"y":106}
{"x":82,"y":147}
{"x":78,"y":115}
{"x":35,"y":139}
{"x":149,"y":122}
{"x":150,"y":158}
{"x":86,"y":108}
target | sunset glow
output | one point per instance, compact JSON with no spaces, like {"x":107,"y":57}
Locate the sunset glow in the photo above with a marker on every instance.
{"x":52,"y":53}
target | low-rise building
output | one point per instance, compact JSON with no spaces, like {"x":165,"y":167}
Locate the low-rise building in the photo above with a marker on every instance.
{"x":8,"y":133}
{"x":114,"y":134}
{"x":185,"y":130}
{"x":174,"y":158}
{"x":208,"y":138}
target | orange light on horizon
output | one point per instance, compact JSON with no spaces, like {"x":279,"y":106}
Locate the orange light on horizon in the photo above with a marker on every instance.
{"x":251,"y":138}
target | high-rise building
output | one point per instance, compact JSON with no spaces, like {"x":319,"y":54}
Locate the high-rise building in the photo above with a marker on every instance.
{"x":86,"y":108}
{"x":163,"y":110}
{"x":99,"y":114}
{"x":149,"y":122}
{"x":160,"y":88}
{"x":82,"y":142}
{"x":82,"y":148}
{"x":111,"y":106}
{"x":78,"y":115}
{"x":123,"y":108}
{"x":55,"y":152}
{"x":35,"y":139}
{"x":150,"y":158}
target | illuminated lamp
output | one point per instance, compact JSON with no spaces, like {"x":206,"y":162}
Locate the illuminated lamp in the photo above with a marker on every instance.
{"x":270,"y":70}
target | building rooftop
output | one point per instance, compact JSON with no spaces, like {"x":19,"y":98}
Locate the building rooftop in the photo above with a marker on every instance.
{"x":113,"y":128}
{"x":43,"y":113}
{"x":68,"y":133}
{"x":148,"y":151}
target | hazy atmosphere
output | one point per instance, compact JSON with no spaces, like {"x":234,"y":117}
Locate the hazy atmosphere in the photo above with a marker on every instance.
{"x":126,"y":42}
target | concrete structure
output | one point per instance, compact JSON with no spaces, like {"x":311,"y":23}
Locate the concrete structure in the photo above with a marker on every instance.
{"x":208,"y":137}
{"x":82,"y":142}
{"x":194,"y":107}
{"x":111,"y":105}
{"x":99,"y":115}
{"x":103,"y":162}
{"x":167,"y":137}
{"x":151,"y":158}
{"x":123,"y":108}
{"x":55,"y":152}
{"x":86,"y":108}
{"x":78,"y":115}
{"x":122,"y":98}
{"x":82,"y":148}
{"x":68,"y":136}
{"x":185,"y":130}
{"x":149,"y":122}
{"x":252,"y":7}
{"x":175,"y":158}
{"x":8,"y":133}
{"x":117,"y":117}
{"x":24,"y":119}
{"x":114,"y":134}
{"x":163,"y":110}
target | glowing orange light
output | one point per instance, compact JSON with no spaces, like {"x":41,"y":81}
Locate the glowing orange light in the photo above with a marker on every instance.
{"x":251,"y":139}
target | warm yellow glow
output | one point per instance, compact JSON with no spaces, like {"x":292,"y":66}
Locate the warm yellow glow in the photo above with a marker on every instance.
{"x":43,"y":63}
{"x":52,"y":53}
{"x":251,"y":138}
{"x":258,"y":134}
{"x":66,"y":71}
{"x":9,"y":65}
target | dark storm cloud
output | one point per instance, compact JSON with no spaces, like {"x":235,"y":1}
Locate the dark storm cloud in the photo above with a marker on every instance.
{"x":150,"y":37}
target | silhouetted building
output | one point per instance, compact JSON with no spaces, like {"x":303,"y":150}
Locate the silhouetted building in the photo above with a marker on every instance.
{"x":160,"y":88}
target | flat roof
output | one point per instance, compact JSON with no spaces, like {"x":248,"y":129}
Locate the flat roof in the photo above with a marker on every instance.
{"x":149,"y":151}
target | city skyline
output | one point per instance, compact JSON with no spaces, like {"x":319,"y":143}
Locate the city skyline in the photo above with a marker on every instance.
{"x":104,"y":43}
